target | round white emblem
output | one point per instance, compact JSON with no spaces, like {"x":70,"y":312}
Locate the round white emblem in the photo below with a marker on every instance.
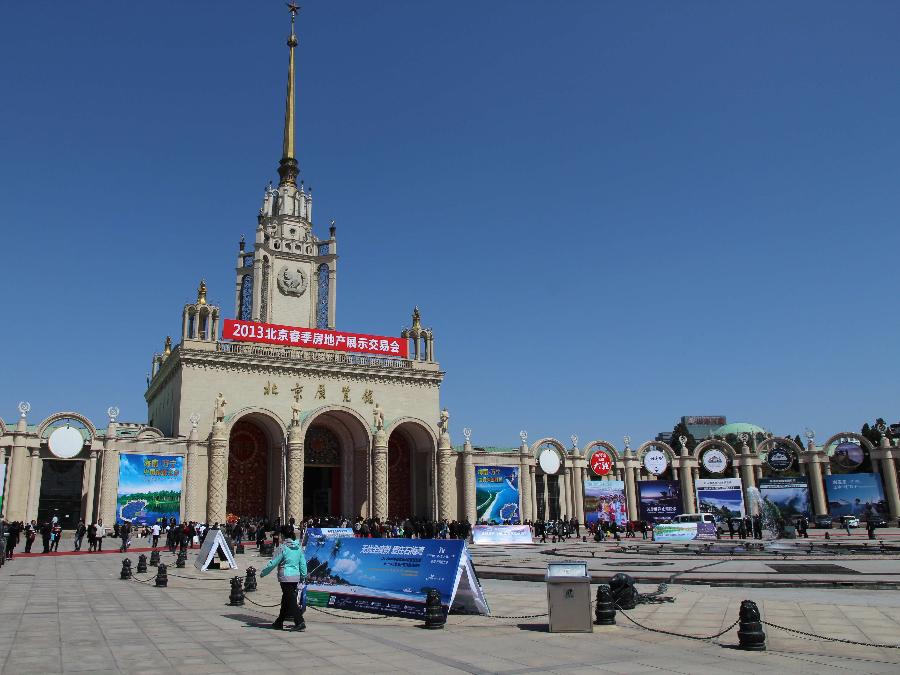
{"x":714,"y":460}
{"x":65,"y":442}
{"x":655,"y":461}
{"x":291,"y":281}
{"x":549,"y":461}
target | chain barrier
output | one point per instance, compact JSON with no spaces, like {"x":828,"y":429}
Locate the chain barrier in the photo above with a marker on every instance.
{"x":830,"y":639}
{"x":674,"y":634}
{"x":277,"y":604}
{"x":352,"y":618}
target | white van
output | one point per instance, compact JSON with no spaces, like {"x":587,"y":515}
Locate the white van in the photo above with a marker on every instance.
{"x":695,"y":518}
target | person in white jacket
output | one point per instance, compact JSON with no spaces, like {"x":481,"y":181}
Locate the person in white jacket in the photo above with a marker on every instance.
{"x":101,"y":532}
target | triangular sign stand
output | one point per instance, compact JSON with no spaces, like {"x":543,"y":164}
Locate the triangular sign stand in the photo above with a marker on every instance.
{"x":468,"y":595}
{"x":212,"y":544}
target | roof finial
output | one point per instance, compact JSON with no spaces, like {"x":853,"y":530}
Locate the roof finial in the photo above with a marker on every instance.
{"x":201,"y":293}
{"x":287,"y":169}
{"x":417,"y":319}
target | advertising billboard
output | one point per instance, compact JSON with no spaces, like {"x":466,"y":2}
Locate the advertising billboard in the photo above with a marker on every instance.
{"x":497,"y":494}
{"x":149,"y":488}
{"x":723,"y":497}
{"x":855,"y":494}
{"x":787,"y":497}
{"x":659,"y":500}
{"x":502,"y":534}
{"x":314,"y":338}
{"x":604,"y":501}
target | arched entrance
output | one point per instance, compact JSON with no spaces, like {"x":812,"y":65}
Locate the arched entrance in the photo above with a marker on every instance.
{"x":399,"y":476}
{"x":248,"y":470}
{"x":411,"y":470}
{"x":322,"y":473}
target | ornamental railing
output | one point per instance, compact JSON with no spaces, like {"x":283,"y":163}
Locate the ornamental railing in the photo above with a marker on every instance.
{"x":312,"y":355}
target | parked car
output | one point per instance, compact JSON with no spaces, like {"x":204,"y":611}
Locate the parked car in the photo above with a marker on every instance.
{"x":823,"y":522}
{"x":877,"y":520}
{"x":849,"y":521}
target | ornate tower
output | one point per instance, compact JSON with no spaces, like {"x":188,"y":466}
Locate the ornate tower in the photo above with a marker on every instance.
{"x":289,"y":277}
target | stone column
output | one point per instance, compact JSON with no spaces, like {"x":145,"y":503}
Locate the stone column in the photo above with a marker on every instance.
{"x":630,"y":484}
{"x":889,"y":471}
{"x":91,"y":468}
{"x":18,"y":475}
{"x":546,"y":497}
{"x":469,"y":482}
{"x":445,"y":478}
{"x":217,"y":483}
{"x":687,"y":483}
{"x":579,"y":494}
{"x":34,"y":484}
{"x":747,"y":480}
{"x":295,"y":469}
{"x":814,"y":471}
{"x":532,"y":497}
{"x":109,"y":477}
{"x":379,"y":475}
{"x":524,"y":484}
{"x":196,"y":477}
{"x":564,"y":491}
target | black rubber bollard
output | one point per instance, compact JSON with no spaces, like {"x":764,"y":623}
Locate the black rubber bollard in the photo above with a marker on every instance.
{"x":623,"y":591}
{"x":237,"y":592}
{"x":154,"y":558}
{"x":142,"y":564}
{"x":751,"y":635}
{"x":162,"y":579}
{"x":239,"y":548}
{"x":434,"y":613}
{"x":605,"y":611}
{"x":250,"y":581}
{"x":182,"y":559}
{"x":126,"y":569}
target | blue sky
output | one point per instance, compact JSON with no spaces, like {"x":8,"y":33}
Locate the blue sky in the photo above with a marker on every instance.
{"x":611,"y":214}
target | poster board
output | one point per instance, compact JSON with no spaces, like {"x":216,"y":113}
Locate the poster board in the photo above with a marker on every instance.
{"x":722,"y":497}
{"x":214,"y":544}
{"x":501,"y":534}
{"x":683,"y":531}
{"x":497,"y":496}
{"x":855,"y":494}
{"x":315,"y":533}
{"x":391,"y":576}
{"x":149,"y":488}
{"x":659,"y":500}
{"x":604,"y":501}
{"x":787,"y":496}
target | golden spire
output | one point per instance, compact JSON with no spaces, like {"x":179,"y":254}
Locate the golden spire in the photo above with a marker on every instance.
{"x":201,"y":293}
{"x":167,"y":349}
{"x":287,"y":169}
{"x":417,"y":319}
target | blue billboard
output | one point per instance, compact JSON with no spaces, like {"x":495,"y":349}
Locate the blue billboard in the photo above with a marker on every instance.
{"x":497,"y":495}
{"x":855,"y":494}
{"x":149,"y":488}
{"x":659,"y":500}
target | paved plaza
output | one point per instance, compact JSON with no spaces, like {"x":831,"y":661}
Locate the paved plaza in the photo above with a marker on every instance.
{"x":74,"y":614}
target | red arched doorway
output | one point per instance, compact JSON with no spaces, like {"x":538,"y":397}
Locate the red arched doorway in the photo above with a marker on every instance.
{"x":399,"y":477}
{"x":321,"y":473}
{"x":248,"y":464}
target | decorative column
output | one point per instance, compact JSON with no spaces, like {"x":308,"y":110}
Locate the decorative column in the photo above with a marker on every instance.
{"x":532,"y":497}
{"x":91,"y":487}
{"x":217,"y":484}
{"x":524,"y":483}
{"x":630,"y":488}
{"x":379,"y":475}
{"x":562,"y":481}
{"x":579,"y":493}
{"x":18,"y":472}
{"x":295,"y":468}
{"x":889,"y":471}
{"x":196,"y":475}
{"x":469,"y":479}
{"x":109,"y":476}
{"x":34,"y":484}
{"x":445,"y":509}
{"x":814,"y":471}
{"x":687,"y":478}
{"x":747,"y":481}
{"x":361,"y":476}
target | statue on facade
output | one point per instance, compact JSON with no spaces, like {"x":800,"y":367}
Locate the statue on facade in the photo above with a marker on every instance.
{"x":444,"y":422}
{"x":296,"y":409}
{"x":379,"y":418}
{"x":220,"y":407}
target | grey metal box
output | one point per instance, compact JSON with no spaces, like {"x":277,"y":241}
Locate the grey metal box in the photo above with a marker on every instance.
{"x":569,"y":597}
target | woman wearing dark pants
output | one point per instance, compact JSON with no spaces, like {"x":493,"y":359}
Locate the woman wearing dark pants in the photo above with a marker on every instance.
{"x":291,"y":564}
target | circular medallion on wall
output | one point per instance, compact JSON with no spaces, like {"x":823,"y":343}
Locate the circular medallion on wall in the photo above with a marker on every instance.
{"x":848,"y":455}
{"x":780,"y":458}
{"x":291,"y":280}
{"x":714,"y":460}
{"x":601,"y":462}
{"x":655,"y":461}
{"x":65,"y":442}
{"x":549,"y":461}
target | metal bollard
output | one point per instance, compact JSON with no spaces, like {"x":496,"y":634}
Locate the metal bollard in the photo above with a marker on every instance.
{"x":142,"y":564}
{"x":250,"y":581}
{"x":434,"y":613}
{"x":162,"y":579}
{"x":237,"y":592}
{"x":126,"y":569}
{"x":154,"y":558}
{"x":182,"y":559}
{"x":605,"y":611}
{"x":751,"y":635}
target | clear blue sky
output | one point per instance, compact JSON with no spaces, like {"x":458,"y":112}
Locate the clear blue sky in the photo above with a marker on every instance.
{"x":612,"y":214}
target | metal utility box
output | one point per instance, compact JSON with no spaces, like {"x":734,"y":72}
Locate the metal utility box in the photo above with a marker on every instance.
{"x":569,"y":597}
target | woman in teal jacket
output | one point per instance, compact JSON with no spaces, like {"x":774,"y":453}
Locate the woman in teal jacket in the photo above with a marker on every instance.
{"x":291,"y":564}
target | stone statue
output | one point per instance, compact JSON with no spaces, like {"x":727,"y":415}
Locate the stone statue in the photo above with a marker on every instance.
{"x":296,"y":409}
{"x":379,"y":418}
{"x":220,"y":407}
{"x":444,"y":422}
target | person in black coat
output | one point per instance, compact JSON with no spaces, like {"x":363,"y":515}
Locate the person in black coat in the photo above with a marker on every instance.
{"x":46,"y":529}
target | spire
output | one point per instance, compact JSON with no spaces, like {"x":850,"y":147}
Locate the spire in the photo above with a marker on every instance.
{"x":287,"y":168}
{"x":201,"y":293}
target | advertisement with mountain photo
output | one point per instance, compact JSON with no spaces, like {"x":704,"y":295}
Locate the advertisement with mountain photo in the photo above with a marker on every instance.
{"x":722,"y":497}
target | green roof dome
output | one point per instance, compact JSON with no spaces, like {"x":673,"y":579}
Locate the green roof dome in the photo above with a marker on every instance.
{"x":737,"y":428}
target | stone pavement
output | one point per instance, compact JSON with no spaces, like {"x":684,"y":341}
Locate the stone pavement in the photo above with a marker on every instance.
{"x":73,"y":614}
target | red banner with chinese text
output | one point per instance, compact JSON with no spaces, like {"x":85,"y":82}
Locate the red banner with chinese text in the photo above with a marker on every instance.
{"x":314,"y":338}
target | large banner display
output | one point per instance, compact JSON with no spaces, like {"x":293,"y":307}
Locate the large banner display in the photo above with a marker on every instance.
{"x":683,"y":531}
{"x":723,"y":497}
{"x":497,"y":494}
{"x":502,"y":534}
{"x":314,"y":338}
{"x":149,"y":488}
{"x":604,"y":501}
{"x":316,"y":533}
{"x":391,"y":576}
{"x":855,"y":494}
{"x":659,"y":500}
{"x":789,"y":496}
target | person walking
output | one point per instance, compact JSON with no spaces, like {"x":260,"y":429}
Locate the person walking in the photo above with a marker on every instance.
{"x":125,"y":534}
{"x":291,"y":565}
{"x":155,"y":533}
{"x":30,"y":535}
{"x":101,"y":532}
{"x":55,"y":536}
{"x":79,"y":534}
